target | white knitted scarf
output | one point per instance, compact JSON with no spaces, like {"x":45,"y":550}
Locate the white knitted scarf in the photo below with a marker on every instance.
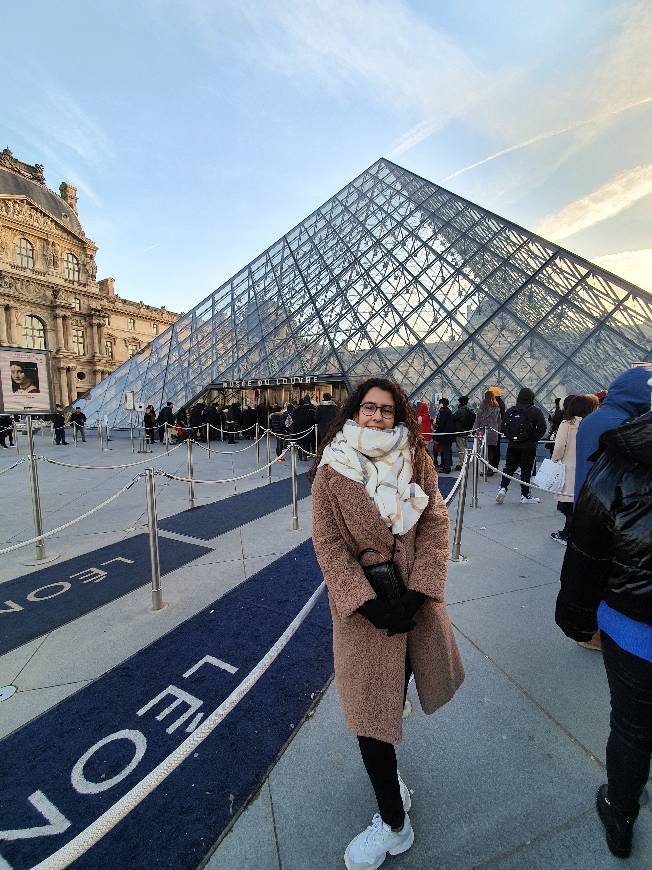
{"x":379,"y":459}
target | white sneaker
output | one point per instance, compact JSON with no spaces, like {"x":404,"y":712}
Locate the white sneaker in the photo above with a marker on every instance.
{"x":500,"y":495}
{"x":406,"y":797}
{"x":369,"y":849}
{"x":530,"y":499}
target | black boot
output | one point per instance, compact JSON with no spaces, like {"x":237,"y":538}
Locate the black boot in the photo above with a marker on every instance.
{"x":618,"y":828}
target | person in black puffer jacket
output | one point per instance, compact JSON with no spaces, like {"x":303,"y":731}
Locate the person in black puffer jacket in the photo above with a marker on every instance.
{"x":606,"y":583}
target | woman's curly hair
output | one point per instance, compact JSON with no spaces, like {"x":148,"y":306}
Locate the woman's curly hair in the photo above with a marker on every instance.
{"x":403,"y":414}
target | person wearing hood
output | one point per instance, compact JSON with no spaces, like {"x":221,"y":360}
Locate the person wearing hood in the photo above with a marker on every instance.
{"x":627,"y":397}
{"x":425,"y":422}
{"x":523,"y":425}
{"x":324,"y":415}
{"x":606,"y":584}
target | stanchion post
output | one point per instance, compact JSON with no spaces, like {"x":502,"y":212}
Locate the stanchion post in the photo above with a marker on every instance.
{"x":475,"y":474}
{"x":191,"y":484}
{"x":74,"y":433}
{"x":293,"y":470}
{"x":152,"y":525}
{"x":268,"y":454}
{"x":131,"y":432}
{"x":257,"y":444}
{"x":36,"y":497}
{"x":208,"y":439}
{"x":456,"y":556}
{"x":15,"y":434}
{"x":316,"y":438}
{"x":166,"y":435}
{"x":485,"y":454}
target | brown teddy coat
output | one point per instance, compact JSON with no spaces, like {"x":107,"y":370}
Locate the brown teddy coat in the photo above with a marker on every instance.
{"x":369,"y":666}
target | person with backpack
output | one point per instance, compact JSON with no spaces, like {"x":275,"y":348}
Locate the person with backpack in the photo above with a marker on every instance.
{"x":524,"y":424}
{"x":444,"y":436}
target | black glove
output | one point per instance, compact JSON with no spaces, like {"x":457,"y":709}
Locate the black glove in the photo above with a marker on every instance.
{"x":376,"y":611}
{"x":403,"y":610}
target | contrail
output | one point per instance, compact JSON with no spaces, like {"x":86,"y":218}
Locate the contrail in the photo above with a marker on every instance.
{"x":549,"y":135}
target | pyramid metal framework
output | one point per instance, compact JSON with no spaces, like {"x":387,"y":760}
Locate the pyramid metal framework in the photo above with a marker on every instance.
{"x":397,"y":276}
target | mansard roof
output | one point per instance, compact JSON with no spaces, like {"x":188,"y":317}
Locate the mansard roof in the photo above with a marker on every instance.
{"x":12,"y":184}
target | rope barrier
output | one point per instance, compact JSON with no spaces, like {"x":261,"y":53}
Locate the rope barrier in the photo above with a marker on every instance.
{"x":451,"y":495}
{"x":289,"y":437}
{"x":498,"y":432}
{"x":105,"y":467}
{"x":9,"y":467}
{"x":226,"y":480}
{"x":523,"y":482}
{"x":80,"y":844}
{"x":72,"y":522}
{"x":228,"y":452}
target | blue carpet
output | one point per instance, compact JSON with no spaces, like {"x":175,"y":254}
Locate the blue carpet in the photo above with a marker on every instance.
{"x":210,"y":520}
{"x":446,"y":484}
{"x":53,"y":596}
{"x":178,"y":823}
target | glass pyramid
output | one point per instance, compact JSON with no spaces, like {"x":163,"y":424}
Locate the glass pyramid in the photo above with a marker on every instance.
{"x":397,"y":276}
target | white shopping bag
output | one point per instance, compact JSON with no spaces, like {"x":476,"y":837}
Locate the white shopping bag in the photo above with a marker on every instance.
{"x":551,"y":476}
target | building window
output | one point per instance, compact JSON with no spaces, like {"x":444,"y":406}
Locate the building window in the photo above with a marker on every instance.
{"x":108,"y":349}
{"x":131,"y":323}
{"x":25,"y":253}
{"x":155,"y":328}
{"x":108,"y":320}
{"x":78,"y":342}
{"x":133,"y":350}
{"x":33,"y":332}
{"x":77,"y":303}
{"x":71,"y":267}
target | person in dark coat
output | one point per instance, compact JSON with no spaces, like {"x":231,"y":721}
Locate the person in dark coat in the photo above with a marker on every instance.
{"x":463,"y":421}
{"x":554,"y":419}
{"x":78,"y":420}
{"x":149,"y":422}
{"x":6,"y":429}
{"x":59,"y":425}
{"x":165,"y":416}
{"x":523,"y":425}
{"x":627,"y":397}
{"x":325,"y":414}
{"x":303,"y":418}
{"x":277,"y":425}
{"x":249,"y":420}
{"x":444,"y":425}
{"x":196,"y":419}
{"x":212,"y":417}
{"x":606,"y":583}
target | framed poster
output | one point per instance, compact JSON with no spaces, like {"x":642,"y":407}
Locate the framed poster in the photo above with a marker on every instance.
{"x":25,"y":386}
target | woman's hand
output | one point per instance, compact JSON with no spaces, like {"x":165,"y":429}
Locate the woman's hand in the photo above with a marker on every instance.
{"x":403,"y":610}
{"x":376,"y":611}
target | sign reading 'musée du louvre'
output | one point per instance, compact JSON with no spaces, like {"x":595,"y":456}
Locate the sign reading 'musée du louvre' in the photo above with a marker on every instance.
{"x":277,"y":382}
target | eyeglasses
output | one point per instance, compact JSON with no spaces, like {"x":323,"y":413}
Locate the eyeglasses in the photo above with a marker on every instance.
{"x":370,"y":408}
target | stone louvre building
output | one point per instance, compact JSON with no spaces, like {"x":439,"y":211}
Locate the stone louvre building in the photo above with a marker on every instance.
{"x":49,"y":295}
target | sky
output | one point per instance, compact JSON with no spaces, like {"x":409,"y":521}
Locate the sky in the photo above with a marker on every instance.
{"x":200,"y":131}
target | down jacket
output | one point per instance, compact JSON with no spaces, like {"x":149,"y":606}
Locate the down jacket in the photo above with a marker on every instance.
{"x":369,"y":666}
{"x":609,"y":556}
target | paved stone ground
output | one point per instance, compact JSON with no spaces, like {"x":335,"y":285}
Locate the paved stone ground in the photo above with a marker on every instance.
{"x":504,"y":776}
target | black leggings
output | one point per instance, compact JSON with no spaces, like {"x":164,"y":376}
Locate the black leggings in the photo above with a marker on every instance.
{"x":379,"y":759}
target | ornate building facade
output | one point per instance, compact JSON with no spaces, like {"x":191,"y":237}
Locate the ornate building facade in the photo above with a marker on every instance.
{"x":49,"y":295}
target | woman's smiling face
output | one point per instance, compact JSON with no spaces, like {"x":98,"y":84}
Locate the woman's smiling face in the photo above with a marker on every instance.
{"x":377,"y":410}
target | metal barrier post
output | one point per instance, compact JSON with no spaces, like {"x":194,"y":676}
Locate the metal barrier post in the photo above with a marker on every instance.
{"x":257,"y":444}
{"x":36,"y":498}
{"x":456,"y":556}
{"x":268,"y":453}
{"x":293,"y":470}
{"x":475,"y":474}
{"x":485,"y":454}
{"x":208,"y":439}
{"x":316,"y":438}
{"x":74,"y":433}
{"x":191,"y":485}
{"x":131,"y":432}
{"x":152,"y":525}
{"x":15,"y":434}
{"x":166,"y":436}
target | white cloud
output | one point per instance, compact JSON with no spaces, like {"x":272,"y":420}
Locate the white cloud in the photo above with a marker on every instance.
{"x":634,"y":266}
{"x":378,"y":49}
{"x":608,"y":200}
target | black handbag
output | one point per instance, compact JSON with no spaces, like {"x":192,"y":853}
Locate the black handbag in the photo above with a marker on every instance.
{"x":384,"y":578}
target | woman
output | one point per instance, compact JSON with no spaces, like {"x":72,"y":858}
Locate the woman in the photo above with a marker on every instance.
{"x":375,"y":488}
{"x":489,"y":418}
{"x":554,"y":419}
{"x":24,"y":378}
{"x":277,"y":426}
{"x":444,"y":427}
{"x":606,"y":583}
{"x":575,"y":410}
{"x":425,"y":422}
{"x":149,"y":422}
